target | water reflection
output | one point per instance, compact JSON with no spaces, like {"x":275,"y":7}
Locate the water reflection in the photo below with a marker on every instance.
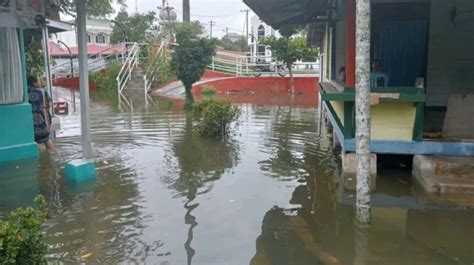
{"x":270,"y":194}
{"x":201,"y":161}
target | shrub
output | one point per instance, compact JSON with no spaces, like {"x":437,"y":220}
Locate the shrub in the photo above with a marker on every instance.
{"x":106,"y":80}
{"x":208,"y":91}
{"x":21,"y":238}
{"x":214,"y":117}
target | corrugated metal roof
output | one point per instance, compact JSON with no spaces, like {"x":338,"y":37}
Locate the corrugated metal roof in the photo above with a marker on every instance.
{"x":278,"y":13}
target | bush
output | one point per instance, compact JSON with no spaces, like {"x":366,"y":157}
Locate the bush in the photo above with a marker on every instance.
{"x":106,"y":80}
{"x":214,"y":117}
{"x":21,"y":238}
{"x":208,"y":91}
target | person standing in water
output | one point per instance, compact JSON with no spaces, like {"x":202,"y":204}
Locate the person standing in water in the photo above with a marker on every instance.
{"x":40,"y":103}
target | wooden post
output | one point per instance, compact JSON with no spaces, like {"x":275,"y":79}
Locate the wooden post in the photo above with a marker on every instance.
{"x":362,"y":101}
{"x":350,"y":43}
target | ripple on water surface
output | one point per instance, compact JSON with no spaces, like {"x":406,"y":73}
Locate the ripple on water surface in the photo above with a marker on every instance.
{"x":268,"y":194}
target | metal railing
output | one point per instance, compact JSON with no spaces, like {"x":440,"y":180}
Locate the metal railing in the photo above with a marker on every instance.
{"x":260,"y":65}
{"x":100,"y":61}
{"x":130,"y":61}
{"x":156,"y":62}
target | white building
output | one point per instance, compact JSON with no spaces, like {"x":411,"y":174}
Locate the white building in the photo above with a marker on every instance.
{"x":259,"y":31}
{"x":98,"y":32}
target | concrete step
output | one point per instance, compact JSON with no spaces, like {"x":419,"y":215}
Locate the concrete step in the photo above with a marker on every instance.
{"x":445,"y":174}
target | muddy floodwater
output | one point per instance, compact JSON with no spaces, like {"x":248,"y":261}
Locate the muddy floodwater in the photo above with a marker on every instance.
{"x":270,"y":194}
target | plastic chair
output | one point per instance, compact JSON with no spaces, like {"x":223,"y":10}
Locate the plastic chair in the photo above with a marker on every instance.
{"x":375,"y":77}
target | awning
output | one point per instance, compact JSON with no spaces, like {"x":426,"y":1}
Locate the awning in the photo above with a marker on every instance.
{"x":278,"y":13}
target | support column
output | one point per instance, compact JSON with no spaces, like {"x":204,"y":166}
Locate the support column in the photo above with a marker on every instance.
{"x":350,"y":43}
{"x":83,"y":79}
{"x":47,"y":65}
{"x":83,"y":169}
{"x":362,"y":101}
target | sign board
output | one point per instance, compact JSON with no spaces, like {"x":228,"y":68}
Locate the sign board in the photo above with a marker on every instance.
{"x":21,"y":13}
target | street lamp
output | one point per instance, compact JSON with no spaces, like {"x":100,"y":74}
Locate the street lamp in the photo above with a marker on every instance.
{"x":123,"y":28}
{"x":70,"y":56}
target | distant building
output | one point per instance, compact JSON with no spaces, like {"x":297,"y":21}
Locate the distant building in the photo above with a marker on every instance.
{"x":98,"y":32}
{"x":232,"y":37}
{"x":259,"y":31}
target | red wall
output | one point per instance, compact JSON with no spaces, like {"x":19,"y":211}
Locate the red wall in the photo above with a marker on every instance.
{"x":71,"y":82}
{"x":262,"y":84}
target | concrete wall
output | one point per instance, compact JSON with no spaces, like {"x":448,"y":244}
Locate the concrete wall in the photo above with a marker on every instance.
{"x":451,"y":52}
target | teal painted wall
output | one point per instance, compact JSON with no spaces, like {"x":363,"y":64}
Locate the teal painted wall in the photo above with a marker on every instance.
{"x":16,"y":124}
{"x":16,"y":133}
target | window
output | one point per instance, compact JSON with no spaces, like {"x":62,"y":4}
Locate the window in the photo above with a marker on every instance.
{"x":11,"y":78}
{"x":100,"y":38}
{"x":261,"y":50}
{"x":88,"y":38}
{"x":261,"y":32}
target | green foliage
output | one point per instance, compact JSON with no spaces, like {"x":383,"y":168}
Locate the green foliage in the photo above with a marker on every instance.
{"x":214,"y":117}
{"x":34,"y":56}
{"x":191,"y":56}
{"x":106,"y":80}
{"x":21,"y":238}
{"x":133,"y":28}
{"x":208,"y":91}
{"x":94,"y":7}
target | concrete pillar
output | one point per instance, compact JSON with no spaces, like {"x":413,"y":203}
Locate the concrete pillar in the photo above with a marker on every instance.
{"x":349,"y":171}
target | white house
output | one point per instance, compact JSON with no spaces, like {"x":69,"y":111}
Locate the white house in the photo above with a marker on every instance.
{"x":259,"y":30}
{"x":98,"y":32}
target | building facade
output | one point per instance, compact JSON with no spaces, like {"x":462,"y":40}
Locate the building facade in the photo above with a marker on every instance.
{"x":258,"y":31}
{"x":98,"y":32}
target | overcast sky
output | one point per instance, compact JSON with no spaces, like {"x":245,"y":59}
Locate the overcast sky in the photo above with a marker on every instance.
{"x":225,"y":13}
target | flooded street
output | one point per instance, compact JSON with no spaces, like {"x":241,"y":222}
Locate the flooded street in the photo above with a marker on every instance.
{"x":270,"y":194}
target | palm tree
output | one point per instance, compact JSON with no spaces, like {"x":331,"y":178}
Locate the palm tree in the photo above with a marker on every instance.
{"x":362,"y":87}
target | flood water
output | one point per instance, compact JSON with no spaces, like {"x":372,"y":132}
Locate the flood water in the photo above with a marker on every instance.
{"x":270,"y":194}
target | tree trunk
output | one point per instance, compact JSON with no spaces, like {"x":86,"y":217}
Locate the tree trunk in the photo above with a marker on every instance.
{"x":189,"y":100}
{"x":292,"y":80}
{"x":362,"y":103}
{"x":186,"y":11}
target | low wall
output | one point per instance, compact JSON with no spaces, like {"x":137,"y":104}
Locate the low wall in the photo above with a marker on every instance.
{"x":303,"y":85}
{"x":71,"y":82}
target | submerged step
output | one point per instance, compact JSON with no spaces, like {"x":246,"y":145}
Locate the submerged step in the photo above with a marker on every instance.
{"x":445,"y":174}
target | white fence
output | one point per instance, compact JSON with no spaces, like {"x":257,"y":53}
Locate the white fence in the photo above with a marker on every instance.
{"x":261,"y":65}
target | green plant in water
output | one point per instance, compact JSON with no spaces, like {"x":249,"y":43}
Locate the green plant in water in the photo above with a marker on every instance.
{"x":106,"y":80}
{"x":21,"y":238}
{"x":214,"y":117}
{"x":208,"y":91}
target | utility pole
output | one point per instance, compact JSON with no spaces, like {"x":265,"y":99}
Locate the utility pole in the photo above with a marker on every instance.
{"x":211,"y":24}
{"x":362,"y":105}
{"x":227,"y":31}
{"x":246,"y":24}
{"x":186,"y":11}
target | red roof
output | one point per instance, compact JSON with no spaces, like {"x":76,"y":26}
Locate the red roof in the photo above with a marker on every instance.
{"x":92,"y":49}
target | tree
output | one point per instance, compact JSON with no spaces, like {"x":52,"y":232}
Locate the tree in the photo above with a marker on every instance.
{"x":191,"y":56}
{"x":94,"y":7}
{"x":132,"y":28}
{"x":288,"y":50}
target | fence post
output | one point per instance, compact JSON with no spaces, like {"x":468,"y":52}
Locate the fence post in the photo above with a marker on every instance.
{"x":213,"y":67}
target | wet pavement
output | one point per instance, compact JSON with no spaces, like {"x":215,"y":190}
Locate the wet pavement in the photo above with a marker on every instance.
{"x":269,"y":194}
